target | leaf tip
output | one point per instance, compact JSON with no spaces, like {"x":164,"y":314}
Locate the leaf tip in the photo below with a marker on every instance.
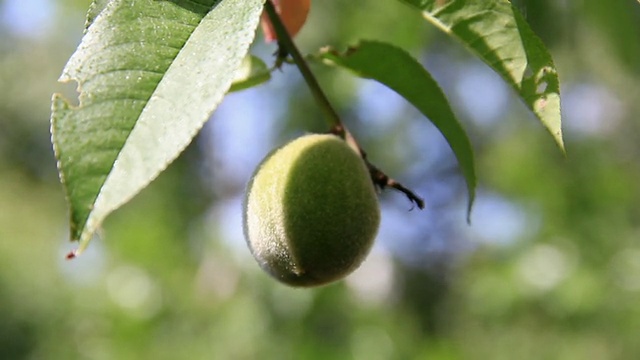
{"x":560,"y":142}
{"x":84,"y":242}
{"x":71,"y":255}
{"x":470,"y":202}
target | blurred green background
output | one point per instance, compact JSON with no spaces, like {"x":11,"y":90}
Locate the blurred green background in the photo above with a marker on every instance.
{"x":548,"y":269}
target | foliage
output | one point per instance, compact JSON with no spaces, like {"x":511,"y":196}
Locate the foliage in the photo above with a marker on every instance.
{"x":150,"y":73}
{"x":501,"y":37}
{"x":548,"y":267}
{"x":396,"y":69}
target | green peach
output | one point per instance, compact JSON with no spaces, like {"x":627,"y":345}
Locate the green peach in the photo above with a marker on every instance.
{"x":311,"y":211}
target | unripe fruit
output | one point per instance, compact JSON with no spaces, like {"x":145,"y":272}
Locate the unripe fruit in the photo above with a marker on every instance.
{"x":310,"y":211}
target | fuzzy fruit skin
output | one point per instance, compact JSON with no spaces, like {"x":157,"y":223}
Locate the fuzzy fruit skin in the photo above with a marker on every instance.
{"x":311,"y":212}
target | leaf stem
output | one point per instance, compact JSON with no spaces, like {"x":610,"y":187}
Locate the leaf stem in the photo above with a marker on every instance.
{"x":285,"y":41}
{"x":288,"y":47}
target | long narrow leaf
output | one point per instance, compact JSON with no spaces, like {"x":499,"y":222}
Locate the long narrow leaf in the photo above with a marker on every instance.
{"x":497,"y":33}
{"x":399,"y":71}
{"x":150,"y":73}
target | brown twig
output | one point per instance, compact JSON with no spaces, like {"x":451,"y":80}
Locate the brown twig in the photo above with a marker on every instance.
{"x":288,"y":48}
{"x":381,"y":180}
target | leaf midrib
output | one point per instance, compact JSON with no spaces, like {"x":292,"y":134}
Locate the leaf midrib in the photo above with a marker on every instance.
{"x":157,"y":84}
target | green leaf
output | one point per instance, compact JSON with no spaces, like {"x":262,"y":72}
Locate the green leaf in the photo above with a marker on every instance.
{"x":252,"y":72}
{"x":399,"y":71}
{"x":150,"y":73}
{"x":497,"y":33}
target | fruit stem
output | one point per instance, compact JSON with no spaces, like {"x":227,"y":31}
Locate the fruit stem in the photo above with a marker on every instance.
{"x":287,"y":45}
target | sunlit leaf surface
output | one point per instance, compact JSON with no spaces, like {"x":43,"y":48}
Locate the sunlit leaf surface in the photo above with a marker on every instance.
{"x":496,"y":32}
{"x":150,"y":73}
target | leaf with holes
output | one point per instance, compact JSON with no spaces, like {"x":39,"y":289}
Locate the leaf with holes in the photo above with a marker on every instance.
{"x":150,"y":73}
{"x":496,"y":32}
{"x":399,"y":71}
